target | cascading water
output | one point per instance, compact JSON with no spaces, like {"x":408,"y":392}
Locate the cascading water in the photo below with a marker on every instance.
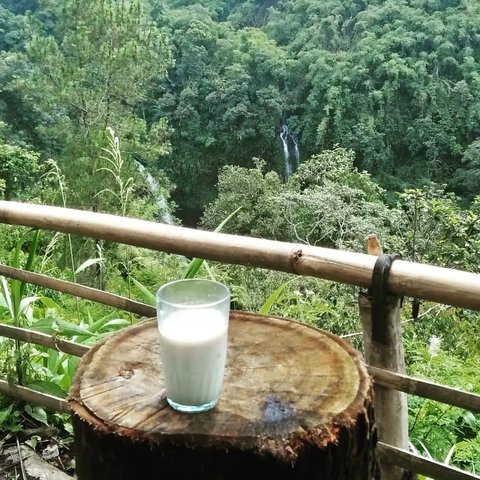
{"x":154,"y":187}
{"x":286,"y":154}
{"x":290,"y":144}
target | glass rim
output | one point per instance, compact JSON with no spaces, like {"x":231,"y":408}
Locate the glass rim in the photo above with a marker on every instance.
{"x":192,"y":306}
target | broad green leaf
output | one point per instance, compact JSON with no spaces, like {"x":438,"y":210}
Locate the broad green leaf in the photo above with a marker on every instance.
{"x":90,"y":318}
{"x":16,"y":252}
{"x":17,"y":427}
{"x":17,"y":288}
{"x":224,"y":222}
{"x":72,"y":363}
{"x":147,"y":296}
{"x":193,"y":267}
{"x":55,"y":359}
{"x":209,"y":270}
{"x":88,"y":263}
{"x":100,"y":323}
{"x":44,"y":325}
{"x":45,"y":386}
{"x":471,"y":421}
{"x":117,"y":322}
{"x":267,"y":306}
{"x":70,"y":329}
{"x":38,"y":413}
{"x":49,"y":303}
{"x":68,"y":427}
{"x":33,"y":250}
{"x":26,"y":302}
{"x":32,"y":442}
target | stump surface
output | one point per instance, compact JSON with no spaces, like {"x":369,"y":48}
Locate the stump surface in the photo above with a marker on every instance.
{"x":288,"y":387}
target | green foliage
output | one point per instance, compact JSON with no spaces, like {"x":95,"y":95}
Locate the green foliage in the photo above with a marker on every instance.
{"x":18,"y":169}
{"x":252,"y":190}
{"x":436,"y":229}
{"x":466,"y":452}
{"x":13,"y":293}
{"x":436,"y":429}
{"x":327,"y":202}
{"x":395,"y":82}
{"x":272,"y":299}
{"x":15,"y":306}
{"x":468,"y":175}
{"x":391,"y":80}
{"x":13,"y":29}
{"x":20,"y":6}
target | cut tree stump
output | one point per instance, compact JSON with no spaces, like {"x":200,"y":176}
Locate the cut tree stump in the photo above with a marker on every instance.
{"x":296,"y":404}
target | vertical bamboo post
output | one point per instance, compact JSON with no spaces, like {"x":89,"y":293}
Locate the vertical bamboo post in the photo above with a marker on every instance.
{"x":391,"y":413}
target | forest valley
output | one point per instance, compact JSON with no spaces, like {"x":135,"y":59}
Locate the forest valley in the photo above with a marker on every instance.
{"x":315,"y":122}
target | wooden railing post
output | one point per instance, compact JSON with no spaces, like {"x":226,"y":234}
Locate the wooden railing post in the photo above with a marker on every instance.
{"x":391,"y":413}
{"x":390,"y":406}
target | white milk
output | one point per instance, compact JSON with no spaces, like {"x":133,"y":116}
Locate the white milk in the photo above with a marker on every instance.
{"x":194,"y":348}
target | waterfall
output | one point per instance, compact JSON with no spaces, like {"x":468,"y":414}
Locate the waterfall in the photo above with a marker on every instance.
{"x":290,"y":144}
{"x":164,"y":212}
{"x":286,"y":154}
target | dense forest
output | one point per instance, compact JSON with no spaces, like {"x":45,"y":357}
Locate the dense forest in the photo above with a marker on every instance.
{"x":316,"y":122}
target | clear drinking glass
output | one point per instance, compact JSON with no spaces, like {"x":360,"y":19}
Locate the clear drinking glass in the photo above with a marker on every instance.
{"x":193,"y":321}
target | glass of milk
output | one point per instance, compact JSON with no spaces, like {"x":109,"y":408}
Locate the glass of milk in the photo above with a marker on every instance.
{"x":193,"y":321}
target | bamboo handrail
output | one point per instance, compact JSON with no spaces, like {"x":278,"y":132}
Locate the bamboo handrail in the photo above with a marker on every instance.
{"x":32,"y":396}
{"x":443,"y":285}
{"x":78,"y":290}
{"x":425,"y":389}
{"x":425,"y":466}
{"x":38,"y":338}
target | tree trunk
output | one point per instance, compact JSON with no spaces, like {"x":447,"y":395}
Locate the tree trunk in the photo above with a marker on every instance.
{"x":296,"y":404}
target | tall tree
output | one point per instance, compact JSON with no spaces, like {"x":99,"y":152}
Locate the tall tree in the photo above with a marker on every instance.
{"x":92,"y":72}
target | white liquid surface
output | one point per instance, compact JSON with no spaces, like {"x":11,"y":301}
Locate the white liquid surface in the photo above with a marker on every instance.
{"x":194,"y":348}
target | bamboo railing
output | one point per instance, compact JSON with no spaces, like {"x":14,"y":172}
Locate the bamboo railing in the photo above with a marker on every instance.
{"x":447,"y":286}
{"x":410,"y":279}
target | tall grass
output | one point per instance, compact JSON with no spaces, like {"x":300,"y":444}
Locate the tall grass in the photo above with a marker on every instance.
{"x":15,"y":300}
{"x":115,"y":169}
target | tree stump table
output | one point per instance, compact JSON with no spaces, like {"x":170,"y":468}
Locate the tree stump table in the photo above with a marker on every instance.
{"x":295,"y":405}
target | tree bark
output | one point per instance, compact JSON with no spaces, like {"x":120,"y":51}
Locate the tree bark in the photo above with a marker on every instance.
{"x":296,"y":404}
